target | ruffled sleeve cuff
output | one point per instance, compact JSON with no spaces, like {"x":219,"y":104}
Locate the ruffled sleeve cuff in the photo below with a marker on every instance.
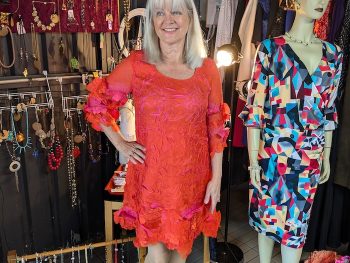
{"x":253,"y":116}
{"x":102,"y":105}
{"x":217,"y":116}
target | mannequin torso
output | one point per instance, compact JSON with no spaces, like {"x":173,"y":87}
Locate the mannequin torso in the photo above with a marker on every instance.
{"x":290,"y":104}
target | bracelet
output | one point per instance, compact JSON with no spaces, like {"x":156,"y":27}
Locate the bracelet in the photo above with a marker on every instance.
{"x":254,"y":167}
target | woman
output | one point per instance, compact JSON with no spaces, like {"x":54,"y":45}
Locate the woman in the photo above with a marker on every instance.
{"x":290,"y":115}
{"x":174,"y":174}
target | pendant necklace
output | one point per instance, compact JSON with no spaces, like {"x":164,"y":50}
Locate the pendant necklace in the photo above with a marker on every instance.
{"x":38,"y":128}
{"x":71,"y":21}
{"x":81,"y":135}
{"x":19,"y":137}
{"x":54,"y":18}
{"x":15,"y":165}
{"x":109,"y":16}
{"x":23,"y":52}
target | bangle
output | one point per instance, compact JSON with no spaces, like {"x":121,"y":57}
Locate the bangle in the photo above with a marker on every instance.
{"x":254,"y":167}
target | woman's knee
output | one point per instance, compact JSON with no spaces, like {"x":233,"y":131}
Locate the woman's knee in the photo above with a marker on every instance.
{"x":157,"y":253}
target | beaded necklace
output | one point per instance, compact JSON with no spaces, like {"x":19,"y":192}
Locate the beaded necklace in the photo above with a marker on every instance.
{"x":71,"y":161}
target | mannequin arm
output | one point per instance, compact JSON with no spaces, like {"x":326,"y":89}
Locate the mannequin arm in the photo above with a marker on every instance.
{"x":253,"y":150}
{"x":326,"y":169}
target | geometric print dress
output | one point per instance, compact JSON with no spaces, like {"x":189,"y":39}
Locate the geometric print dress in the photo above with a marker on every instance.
{"x":293,"y":108}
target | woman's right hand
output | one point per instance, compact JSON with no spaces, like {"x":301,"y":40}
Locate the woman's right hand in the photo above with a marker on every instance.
{"x":134,"y":151}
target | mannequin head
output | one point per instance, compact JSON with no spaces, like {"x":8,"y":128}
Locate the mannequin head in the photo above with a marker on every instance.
{"x":312,"y":9}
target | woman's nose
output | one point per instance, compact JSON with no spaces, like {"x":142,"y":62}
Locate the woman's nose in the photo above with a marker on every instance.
{"x":169,"y":16}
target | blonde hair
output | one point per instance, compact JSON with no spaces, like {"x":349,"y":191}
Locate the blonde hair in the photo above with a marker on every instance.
{"x":194,"y":50}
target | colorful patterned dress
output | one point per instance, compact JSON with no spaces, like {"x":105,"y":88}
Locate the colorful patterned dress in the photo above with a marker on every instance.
{"x":181,"y":124}
{"x":293,"y":109}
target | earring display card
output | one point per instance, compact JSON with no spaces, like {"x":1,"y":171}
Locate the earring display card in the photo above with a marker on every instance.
{"x":69,"y":16}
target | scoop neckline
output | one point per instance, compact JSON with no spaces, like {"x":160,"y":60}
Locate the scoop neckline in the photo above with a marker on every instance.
{"x":171,"y":78}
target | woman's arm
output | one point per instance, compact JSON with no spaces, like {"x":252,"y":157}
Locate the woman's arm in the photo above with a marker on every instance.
{"x":214,"y":185}
{"x":133,"y":150}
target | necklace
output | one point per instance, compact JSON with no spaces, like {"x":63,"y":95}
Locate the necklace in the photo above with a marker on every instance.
{"x":19,"y":136}
{"x":23,"y":53}
{"x":71,"y":161}
{"x":54,"y":18}
{"x":15,"y":165}
{"x":109,"y":16}
{"x":71,"y":21}
{"x":35,"y":54}
{"x":81,"y":135}
{"x":82,"y":14}
{"x":55,"y":154}
{"x":305,"y":43}
{"x":93,"y":158}
{"x":13,"y":47}
{"x":38,"y":128}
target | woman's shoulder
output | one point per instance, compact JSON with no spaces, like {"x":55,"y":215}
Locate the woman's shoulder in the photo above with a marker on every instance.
{"x":209,"y":65}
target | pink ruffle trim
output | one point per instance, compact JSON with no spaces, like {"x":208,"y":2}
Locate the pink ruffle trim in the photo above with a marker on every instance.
{"x":176,"y":231}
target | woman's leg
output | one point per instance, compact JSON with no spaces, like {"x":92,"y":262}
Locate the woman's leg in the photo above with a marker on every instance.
{"x":176,"y":258}
{"x":157,"y":253}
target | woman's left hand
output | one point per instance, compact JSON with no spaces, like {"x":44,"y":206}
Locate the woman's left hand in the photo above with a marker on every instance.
{"x":213,"y":193}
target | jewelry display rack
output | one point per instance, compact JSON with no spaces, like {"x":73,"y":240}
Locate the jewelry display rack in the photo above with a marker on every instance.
{"x":69,"y":103}
{"x":39,"y":80}
{"x":9,"y":97}
{"x":12,"y":256}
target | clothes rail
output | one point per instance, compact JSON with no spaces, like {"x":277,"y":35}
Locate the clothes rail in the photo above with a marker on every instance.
{"x":12,"y":257}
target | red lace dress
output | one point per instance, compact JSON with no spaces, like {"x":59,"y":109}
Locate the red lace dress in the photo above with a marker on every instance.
{"x":181,"y":124}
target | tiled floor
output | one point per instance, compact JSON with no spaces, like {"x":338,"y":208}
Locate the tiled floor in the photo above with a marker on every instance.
{"x":239,"y":231}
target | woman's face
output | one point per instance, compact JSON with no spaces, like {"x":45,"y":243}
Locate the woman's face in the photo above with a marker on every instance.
{"x":313,"y":9}
{"x":171,"y":26}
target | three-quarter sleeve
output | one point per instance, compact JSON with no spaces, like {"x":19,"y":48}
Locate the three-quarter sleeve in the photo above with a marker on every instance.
{"x":330,"y":111}
{"x":254,"y":110}
{"x":218,"y":112}
{"x":108,"y":94}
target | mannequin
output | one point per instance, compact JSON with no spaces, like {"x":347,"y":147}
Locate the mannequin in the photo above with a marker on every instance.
{"x":290,"y":115}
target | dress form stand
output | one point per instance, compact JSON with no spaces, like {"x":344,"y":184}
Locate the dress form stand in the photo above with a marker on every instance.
{"x":227,"y":252}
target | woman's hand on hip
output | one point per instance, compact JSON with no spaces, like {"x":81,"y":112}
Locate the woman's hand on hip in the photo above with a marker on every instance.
{"x":213,"y":193}
{"x":134,"y":151}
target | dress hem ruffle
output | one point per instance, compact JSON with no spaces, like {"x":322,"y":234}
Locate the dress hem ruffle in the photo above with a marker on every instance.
{"x":175,"y":232}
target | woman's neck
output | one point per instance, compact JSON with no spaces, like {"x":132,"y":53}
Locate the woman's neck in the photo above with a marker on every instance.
{"x":172,"y":53}
{"x":302,"y":28}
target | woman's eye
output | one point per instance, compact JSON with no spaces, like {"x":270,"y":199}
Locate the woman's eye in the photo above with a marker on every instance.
{"x":159,"y":13}
{"x":176,"y":13}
